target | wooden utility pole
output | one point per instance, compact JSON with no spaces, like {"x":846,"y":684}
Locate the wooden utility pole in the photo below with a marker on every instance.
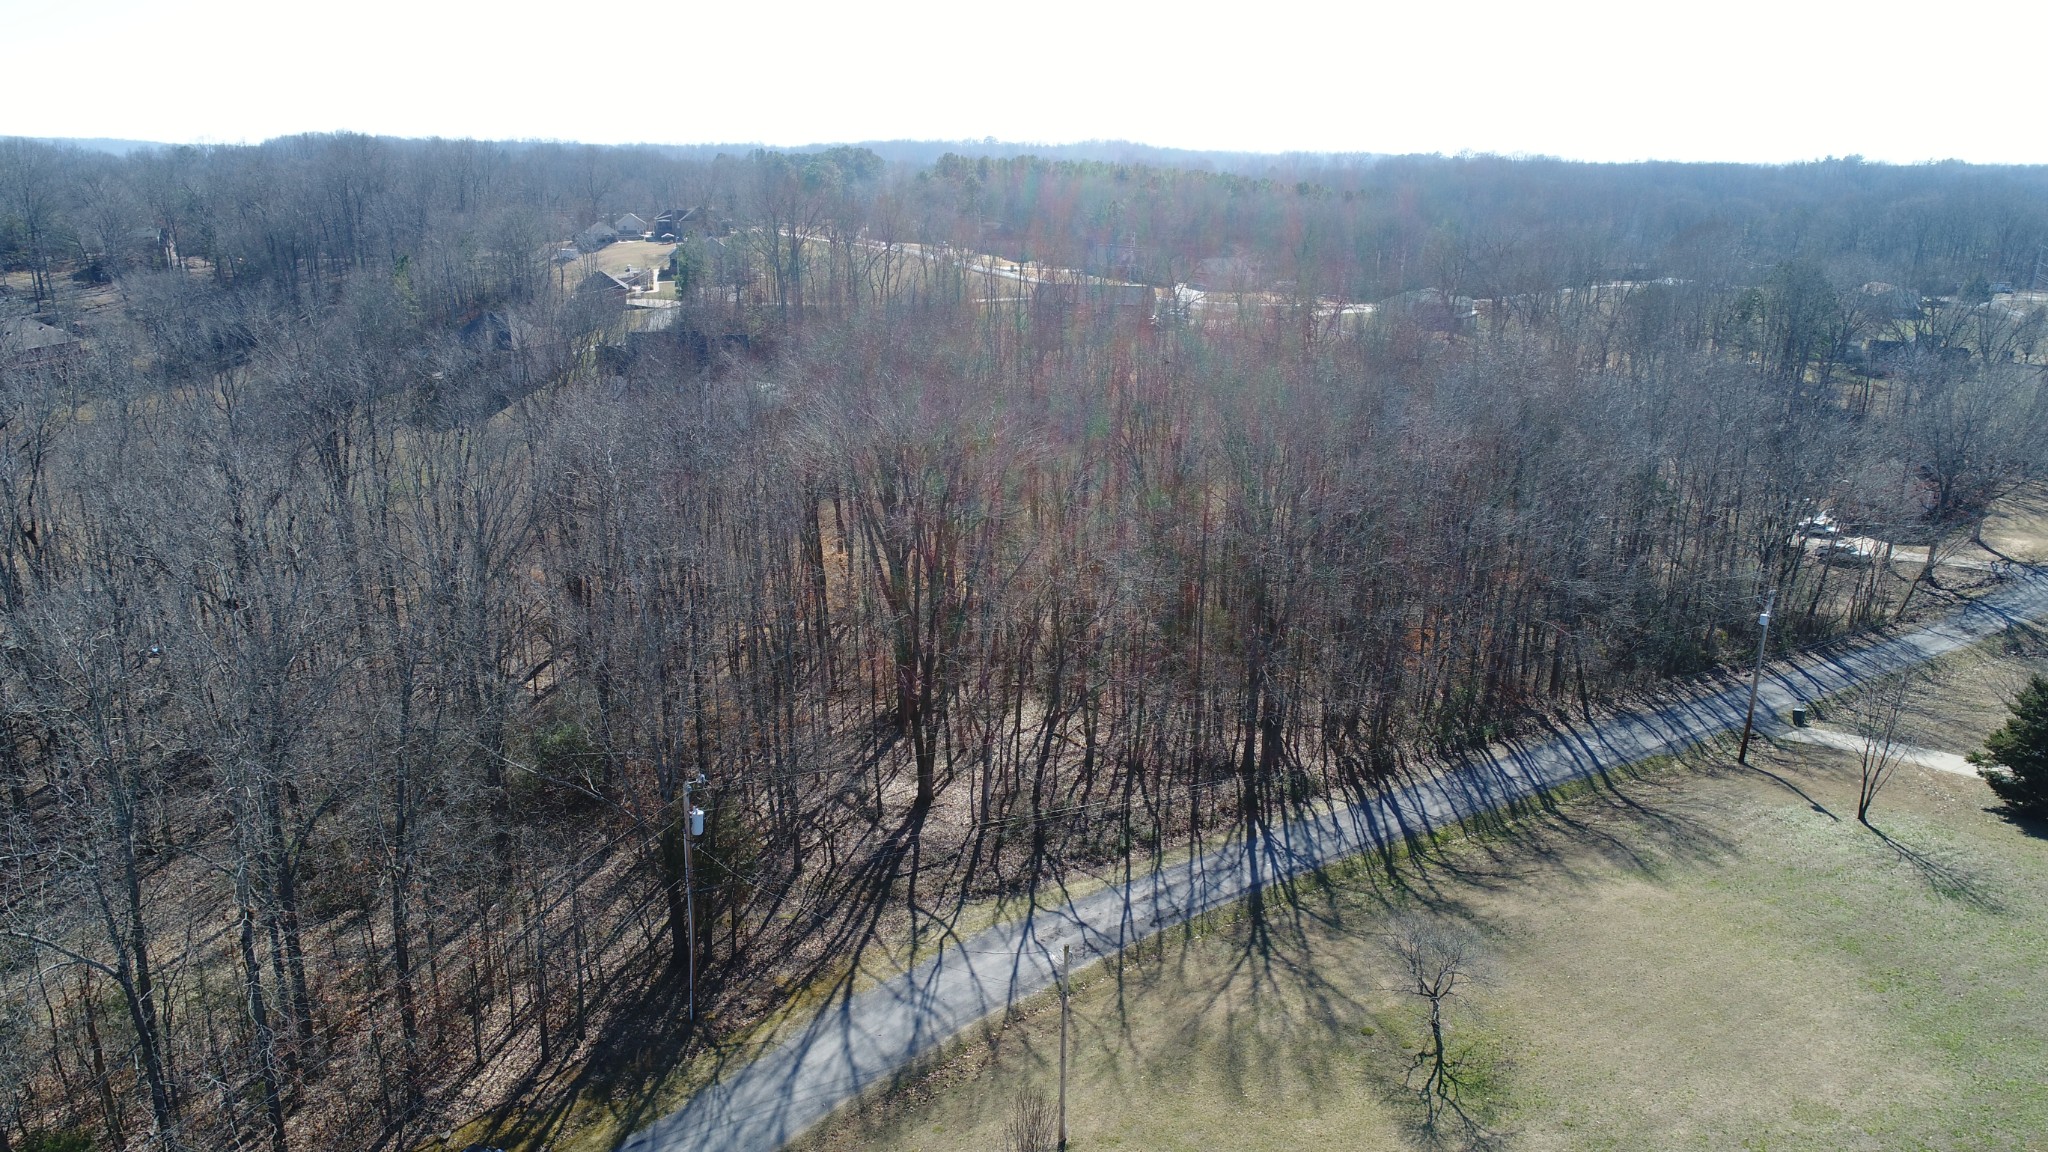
{"x":693,"y":827}
{"x":1066,"y":970}
{"x":1756,"y":675}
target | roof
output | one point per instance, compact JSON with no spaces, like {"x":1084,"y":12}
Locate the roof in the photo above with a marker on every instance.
{"x":603,"y":281}
{"x":1430,"y":297}
{"x":28,"y":334}
{"x":499,"y":330}
{"x":630,"y":223}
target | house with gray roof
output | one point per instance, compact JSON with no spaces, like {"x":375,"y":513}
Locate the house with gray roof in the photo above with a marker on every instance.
{"x":26,"y":340}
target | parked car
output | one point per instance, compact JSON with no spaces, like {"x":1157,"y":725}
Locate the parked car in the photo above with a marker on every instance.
{"x":1818,"y":525}
{"x":1853,"y":553}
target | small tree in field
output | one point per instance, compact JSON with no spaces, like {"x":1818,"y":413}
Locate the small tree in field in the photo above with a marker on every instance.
{"x":1877,"y":722}
{"x":2015,"y":758}
{"x":1435,"y":959}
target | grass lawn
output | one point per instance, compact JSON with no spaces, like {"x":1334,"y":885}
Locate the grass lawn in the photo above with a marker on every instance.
{"x":1697,"y":957}
{"x":616,"y":258}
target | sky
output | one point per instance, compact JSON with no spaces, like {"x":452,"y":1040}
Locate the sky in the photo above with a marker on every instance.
{"x":1743,"y":80}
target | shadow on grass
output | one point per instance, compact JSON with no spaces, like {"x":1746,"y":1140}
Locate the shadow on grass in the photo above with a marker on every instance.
{"x":1292,"y":948}
{"x":1945,"y":878}
{"x":2032,"y":825}
{"x":1795,"y":789}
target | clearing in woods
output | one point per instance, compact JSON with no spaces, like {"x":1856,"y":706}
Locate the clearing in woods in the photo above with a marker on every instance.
{"x":1698,"y":956}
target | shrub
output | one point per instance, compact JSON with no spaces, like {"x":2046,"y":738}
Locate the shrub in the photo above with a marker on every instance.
{"x":1033,"y":1126}
{"x":2015,"y":758}
{"x":56,"y":1140}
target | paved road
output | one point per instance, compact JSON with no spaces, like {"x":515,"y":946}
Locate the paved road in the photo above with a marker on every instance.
{"x":867,"y":1037}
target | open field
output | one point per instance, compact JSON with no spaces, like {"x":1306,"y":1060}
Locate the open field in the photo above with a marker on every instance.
{"x":1699,"y":957}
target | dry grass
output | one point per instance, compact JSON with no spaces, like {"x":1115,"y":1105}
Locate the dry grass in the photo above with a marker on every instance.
{"x":2018,"y":526}
{"x":1693,"y":958}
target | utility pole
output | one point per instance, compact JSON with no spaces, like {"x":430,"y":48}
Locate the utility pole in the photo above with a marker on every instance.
{"x":693,"y":827}
{"x":1763,"y":641}
{"x":1066,"y":972}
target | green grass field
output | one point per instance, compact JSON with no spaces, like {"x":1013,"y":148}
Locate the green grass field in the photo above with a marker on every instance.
{"x":1696,"y":957}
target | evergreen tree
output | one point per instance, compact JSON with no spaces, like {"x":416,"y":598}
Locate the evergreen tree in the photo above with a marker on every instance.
{"x":2015,"y":758}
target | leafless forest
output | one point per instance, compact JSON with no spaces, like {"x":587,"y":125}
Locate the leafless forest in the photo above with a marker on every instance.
{"x":375,"y":573}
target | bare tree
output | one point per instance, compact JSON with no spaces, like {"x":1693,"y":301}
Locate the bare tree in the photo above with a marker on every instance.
{"x":1877,"y":713}
{"x":1436,"y":958}
{"x":1970,"y":437}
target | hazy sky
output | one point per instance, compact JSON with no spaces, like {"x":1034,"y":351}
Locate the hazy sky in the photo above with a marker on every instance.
{"x":1761,"y":80}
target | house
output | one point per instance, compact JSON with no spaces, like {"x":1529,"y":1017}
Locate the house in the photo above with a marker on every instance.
{"x":596,"y":236}
{"x":606,"y":286}
{"x":1226,"y":274}
{"x":568,"y":255}
{"x":24,"y":341}
{"x":640,"y":279}
{"x":1889,"y":301}
{"x":1096,"y":302}
{"x":1434,"y":310}
{"x":496,"y":331}
{"x":630,"y":227}
{"x":669,"y":226}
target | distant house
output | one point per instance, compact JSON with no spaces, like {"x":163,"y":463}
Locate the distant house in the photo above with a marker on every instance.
{"x":1226,"y":274}
{"x":568,"y":255}
{"x":1137,"y":299}
{"x":1889,"y":301}
{"x":24,"y":340}
{"x":1095,"y":302}
{"x":670,"y":224}
{"x":630,"y":227}
{"x":596,"y":236}
{"x":606,"y":286}
{"x":1434,"y":310}
{"x":495,"y":331}
{"x":640,"y":279}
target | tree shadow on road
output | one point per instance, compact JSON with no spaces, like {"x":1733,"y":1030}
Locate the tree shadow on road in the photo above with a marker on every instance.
{"x":629,"y":1068}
